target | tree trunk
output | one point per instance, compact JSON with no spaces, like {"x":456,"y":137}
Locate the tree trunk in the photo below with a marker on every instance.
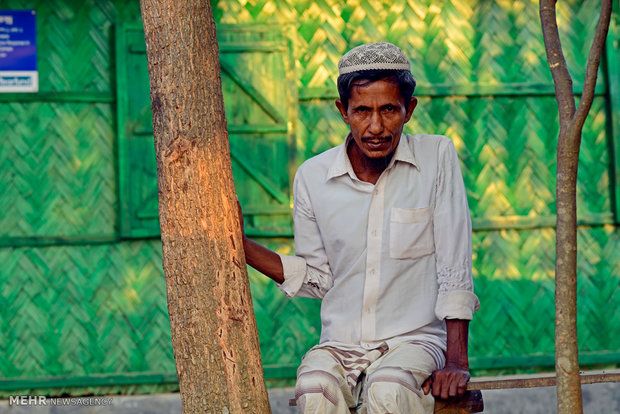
{"x":566,"y":348}
{"x":213,"y":327}
{"x":569,"y":142}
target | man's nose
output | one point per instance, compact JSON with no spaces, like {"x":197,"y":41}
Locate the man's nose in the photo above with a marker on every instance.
{"x":376,"y":124}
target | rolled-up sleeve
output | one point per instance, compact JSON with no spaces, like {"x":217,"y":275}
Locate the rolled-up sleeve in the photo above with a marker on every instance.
{"x":452,"y":232}
{"x":307,"y":274}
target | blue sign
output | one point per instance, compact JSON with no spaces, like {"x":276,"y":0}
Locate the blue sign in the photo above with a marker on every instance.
{"x":18,"y":51}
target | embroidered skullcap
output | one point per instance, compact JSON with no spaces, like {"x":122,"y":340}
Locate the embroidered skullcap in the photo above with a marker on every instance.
{"x":373,"y":56}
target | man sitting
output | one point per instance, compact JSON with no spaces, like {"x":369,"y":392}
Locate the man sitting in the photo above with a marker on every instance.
{"x":383,"y":237}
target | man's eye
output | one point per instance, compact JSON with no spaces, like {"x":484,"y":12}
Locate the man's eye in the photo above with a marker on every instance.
{"x":390,"y":108}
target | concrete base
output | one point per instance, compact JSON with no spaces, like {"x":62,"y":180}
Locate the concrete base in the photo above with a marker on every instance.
{"x":597,"y":398}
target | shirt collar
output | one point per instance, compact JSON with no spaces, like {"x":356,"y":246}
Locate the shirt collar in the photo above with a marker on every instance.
{"x":342,"y":164}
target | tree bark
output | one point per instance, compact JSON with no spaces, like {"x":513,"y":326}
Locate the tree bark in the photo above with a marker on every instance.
{"x":214,"y":333}
{"x":569,"y":141}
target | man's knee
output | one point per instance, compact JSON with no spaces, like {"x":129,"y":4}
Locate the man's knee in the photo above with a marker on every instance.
{"x":397,"y":390}
{"x":391,"y":382}
{"x":317,"y":384}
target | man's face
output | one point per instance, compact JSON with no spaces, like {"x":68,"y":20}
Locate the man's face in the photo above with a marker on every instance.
{"x":376,"y":115}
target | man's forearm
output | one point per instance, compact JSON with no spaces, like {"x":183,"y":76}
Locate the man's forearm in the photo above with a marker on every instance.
{"x":451,"y":380}
{"x":456,"y":353}
{"x":263,"y":260}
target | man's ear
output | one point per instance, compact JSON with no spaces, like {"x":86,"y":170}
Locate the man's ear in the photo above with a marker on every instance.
{"x":343,"y":111}
{"x":412,"y":104}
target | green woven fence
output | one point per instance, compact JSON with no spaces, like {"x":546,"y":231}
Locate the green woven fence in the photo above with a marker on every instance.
{"x":83,"y":293}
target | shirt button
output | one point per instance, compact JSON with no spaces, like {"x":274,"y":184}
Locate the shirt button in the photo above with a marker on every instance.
{"x":372,"y":271}
{"x":374,"y":233}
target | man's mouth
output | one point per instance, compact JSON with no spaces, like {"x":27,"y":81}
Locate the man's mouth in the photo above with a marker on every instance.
{"x":377,"y":142}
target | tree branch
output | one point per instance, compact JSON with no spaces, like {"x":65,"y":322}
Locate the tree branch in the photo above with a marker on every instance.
{"x":594,"y":59}
{"x":557,"y":64}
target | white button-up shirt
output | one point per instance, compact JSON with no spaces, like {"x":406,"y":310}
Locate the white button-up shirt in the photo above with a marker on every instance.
{"x":391,"y":260}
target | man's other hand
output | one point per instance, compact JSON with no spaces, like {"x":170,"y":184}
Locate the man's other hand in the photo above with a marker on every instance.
{"x":449,"y":382}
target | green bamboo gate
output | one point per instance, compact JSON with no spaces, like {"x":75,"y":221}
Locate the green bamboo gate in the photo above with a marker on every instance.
{"x":82,"y":290}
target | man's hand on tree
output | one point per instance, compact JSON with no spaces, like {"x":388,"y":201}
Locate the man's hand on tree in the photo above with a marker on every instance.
{"x":449,"y":382}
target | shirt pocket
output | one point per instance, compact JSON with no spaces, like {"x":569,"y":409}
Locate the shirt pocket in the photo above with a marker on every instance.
{"x":411,"y":233}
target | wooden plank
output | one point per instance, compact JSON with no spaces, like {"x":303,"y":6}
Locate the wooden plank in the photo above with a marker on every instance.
{"x":122,"y":147}
{"x":59,"y":96}
{"x":541,"y":360}
{"x":41,"y":241}
{"x":283,"y":371}
{"x":231,"y":47}
{"x":538,"y":380}
{"x":270,"y":210}
{"x":471,"y":402}
{"x":252,"y":92}
{"x":233,"y":129}
{"x":612,"y":58}
{"x":264,"y":47}
{"x":257,"y":129}
{"x":260,"y":178}
{"x":251,"y":232}
{"x":477,"y":362}
{"x":94,"y":380}
{"x":525,"y":222}
{"x":467,"y":90}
